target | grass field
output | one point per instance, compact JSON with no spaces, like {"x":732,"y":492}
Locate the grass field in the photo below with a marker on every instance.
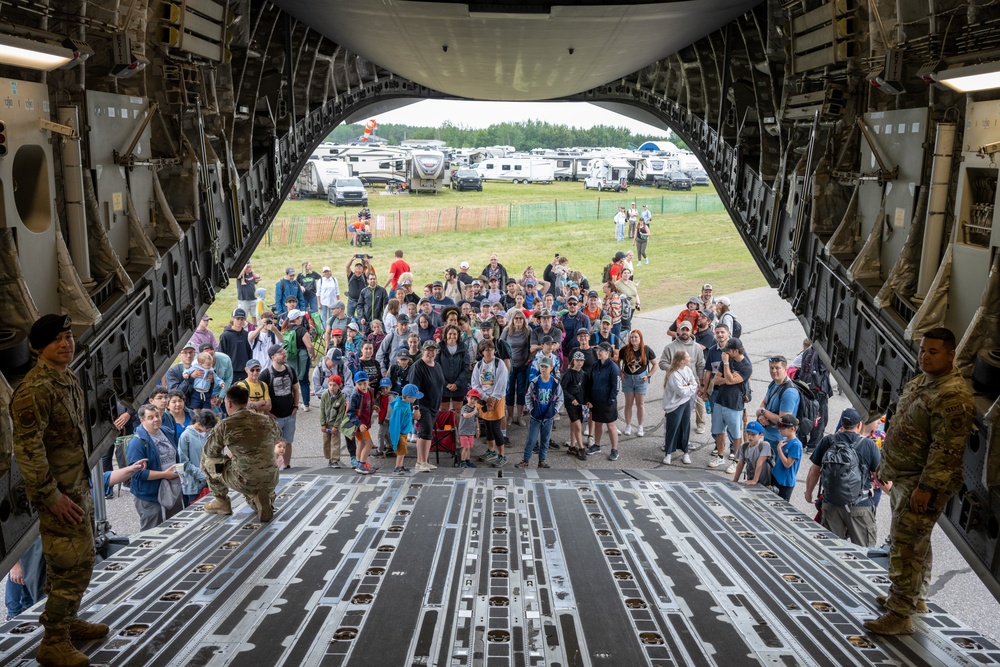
{"x":685,"y":251}
{"x":494,"y":193}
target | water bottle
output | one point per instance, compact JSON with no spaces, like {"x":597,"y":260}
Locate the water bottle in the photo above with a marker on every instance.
{"x":708,"y":407}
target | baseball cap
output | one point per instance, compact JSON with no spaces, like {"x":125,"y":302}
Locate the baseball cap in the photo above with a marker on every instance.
{"x":582,"y":332}
{"x":724,"y":300}
{"x":251,"y":363}
{"x":591,"y":293}
{"x":619,"y":255}
{"x":403,"y":317}
{"x":788,"y":421}
{"x":385,"y":382}
{"x":206,"y":318}
{"x":544,"y":361}
{"x":464,"y":265}
{"x":572,"y":298}
{"x":850,"y":418}
{"x":430,"y":345}
{"x":360,"y":376}
{"x":545,"y":313}
{"x":437,"y":283}
{"x":206,"y":346}
{"x":605,"y":345}
{"x":579,"y":355}
{"x":511,"y":280}
{"x":239,"y":313}
{"x":476,"y":282}
{"x":755,"y":427}
{"x":684,"y":325}
{"x":606,"y":319}
{"x":734,"y":344}
{"x":412,"y":391}
{"x":337,"y":332}
{"x":706,"y":286}
{"x":548,"y":339}
{"x":353,"y":325}
{"x":423,"y":299}
{"x":337,"y":379}
{"x":337,"y":354}
{"x":293,"y":314}
{"x":337,"y":304}
{"x":473,"y":393}
{"x":290,"y":271}
{"x":405,"y":281}
{"x":274,"y":349}
{"x":486,"y":324}
{"x":327,"y":268}
{"x":190,"y":344}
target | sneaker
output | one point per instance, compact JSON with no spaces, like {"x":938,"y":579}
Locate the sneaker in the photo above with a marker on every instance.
{"x":666,"y":460}
{"x":500,"y":462}
{"x":628,"y":429}
{"x":490,"y":455}
{"x":304,"y":408}
{"x":398,"y":470}
{"x":430,"y":466}
{"x":640,"y":432}
{"x":593,"y":449}
{"x":332,"y":464}
{"x":404,"y":470}
{"x":364,"y":468}
{"x":731,"y":469}
{"x":469,"y":464}
{"x":543,"y":464}
{"x":613,"y":456}
{"x":354,"y":462}
{"x":686,"y":460}
{"x":421,"y":467}
{"x":522,"y":465}
{"x":555,"y":445}
{"x":586,"y":432}
{"x":732,"y":456}
{"x":700,"y":430}
{"x":647,"y":261}
{"x":590,"y":440}
{"x":581,"y":454}
{"x":506,"y":442}
{"x":714,"y":460}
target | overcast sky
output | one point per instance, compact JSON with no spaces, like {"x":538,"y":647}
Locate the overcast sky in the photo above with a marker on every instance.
{"x":432,"y":113}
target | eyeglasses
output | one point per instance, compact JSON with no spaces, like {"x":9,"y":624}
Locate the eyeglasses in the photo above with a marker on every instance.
{"x":253,"y":370}
{"x":775,"y":360}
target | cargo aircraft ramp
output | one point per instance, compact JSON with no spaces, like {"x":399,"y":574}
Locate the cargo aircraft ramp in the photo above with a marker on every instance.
{"x":592,"y":567}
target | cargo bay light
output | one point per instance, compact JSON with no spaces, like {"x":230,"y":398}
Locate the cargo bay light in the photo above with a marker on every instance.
{"x":849,"y":197}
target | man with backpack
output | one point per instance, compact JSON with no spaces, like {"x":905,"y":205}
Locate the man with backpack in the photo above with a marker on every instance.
{"x":815,"y":375}
{"x":842,"y":465}
{"x":782,"y":398}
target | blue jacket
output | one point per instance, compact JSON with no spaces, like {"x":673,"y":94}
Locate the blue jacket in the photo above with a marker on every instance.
{"x":284,"y":289}
{"x":141,"y":446}
{"x":605,"y":379}
{"x":534,"y":407}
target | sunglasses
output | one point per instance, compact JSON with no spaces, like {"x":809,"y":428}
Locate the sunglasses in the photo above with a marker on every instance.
{"x":775,"y":360}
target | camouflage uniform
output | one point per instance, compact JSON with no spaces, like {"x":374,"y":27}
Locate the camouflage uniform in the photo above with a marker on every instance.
{"x":250,"y":438}
{"x":333,"y":411}
{"x":50,"y":445}
{"x":924,"y":445}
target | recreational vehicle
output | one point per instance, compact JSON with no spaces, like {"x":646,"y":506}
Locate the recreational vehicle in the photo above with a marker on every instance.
{"x":658,"y":165}
{"x":373,"y":164}
{"x":318,"y":175}
{"x":427,"y":171}
{"x":608,"y":174}
{"x":517,"y":170}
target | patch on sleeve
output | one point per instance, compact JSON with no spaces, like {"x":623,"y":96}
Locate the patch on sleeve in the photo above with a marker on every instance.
{"x":23,"y":411}
{"x":957,"y":424}
{"x":955,"y":408}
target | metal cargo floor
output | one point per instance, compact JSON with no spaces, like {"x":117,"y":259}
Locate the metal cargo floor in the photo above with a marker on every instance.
{"x":570,"y":568}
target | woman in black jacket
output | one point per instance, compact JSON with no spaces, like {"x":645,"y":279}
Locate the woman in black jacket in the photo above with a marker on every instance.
{"x":453,"y":357}
{"x":602,"y":398}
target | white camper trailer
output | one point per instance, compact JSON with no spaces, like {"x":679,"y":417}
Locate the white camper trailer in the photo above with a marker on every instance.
{"x":657,"y":166}
{"x":427,"y":171}
{"x":608,"y":174}
{"x":317,"y":175}
{"x":373,"y":164}
{"x":517,"y":170}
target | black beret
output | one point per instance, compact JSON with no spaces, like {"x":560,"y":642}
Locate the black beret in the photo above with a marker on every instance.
{"x":47,"y":329}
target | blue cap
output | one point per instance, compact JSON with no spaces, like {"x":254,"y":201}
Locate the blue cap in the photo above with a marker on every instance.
{"x":411,"y":391}
{"x":850,"y":418}
{"x":337,"y":354}
{"x":752,"y":427}
{"x":360,"y":376}
{"x":385,"y":382}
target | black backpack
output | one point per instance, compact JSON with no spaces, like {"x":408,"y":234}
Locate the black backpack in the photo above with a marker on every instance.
{"x":840,"y":476}
{"x":606,"y":274}
{"x":814,"y":373}
{"x":736,"y":330}
{"x":808,"y":410}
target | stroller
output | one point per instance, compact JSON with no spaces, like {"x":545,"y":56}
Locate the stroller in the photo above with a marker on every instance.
{"x":444,"y":437}
{"x":363,"y":228}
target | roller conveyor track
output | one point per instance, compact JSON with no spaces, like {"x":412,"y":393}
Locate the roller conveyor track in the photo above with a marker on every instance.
{"x":576,"y":568}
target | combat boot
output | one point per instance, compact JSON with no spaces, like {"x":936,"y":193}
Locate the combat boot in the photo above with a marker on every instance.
{"x":262,"y":503}
{"x":890,"y":623}
{"x":57,"y":651}
{"x":220,"y":505}
{"x":82,"y":630}
{"x":921,"y":604}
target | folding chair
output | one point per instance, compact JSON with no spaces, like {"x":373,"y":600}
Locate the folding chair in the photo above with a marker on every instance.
{"x":444,"y":437}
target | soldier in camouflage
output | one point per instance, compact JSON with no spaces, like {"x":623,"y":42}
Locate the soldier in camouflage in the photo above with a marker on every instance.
{"x":50,"y":445}
{"x":250,"y":468}
{"x":922,"y":457}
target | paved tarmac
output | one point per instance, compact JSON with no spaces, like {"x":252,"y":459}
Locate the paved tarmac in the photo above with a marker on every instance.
{"x":769,"y":328}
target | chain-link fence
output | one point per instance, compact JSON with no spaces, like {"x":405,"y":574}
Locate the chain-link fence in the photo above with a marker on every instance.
{"x":305,"y":230}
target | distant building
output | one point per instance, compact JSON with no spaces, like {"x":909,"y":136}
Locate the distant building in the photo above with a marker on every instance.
{"x":665,"y":146}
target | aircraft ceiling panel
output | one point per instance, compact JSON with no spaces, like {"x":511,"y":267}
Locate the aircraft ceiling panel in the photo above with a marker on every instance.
{"x":442,"y":45}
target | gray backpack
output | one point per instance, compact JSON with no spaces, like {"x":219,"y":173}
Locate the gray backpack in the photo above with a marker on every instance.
{"x":841,"y":475}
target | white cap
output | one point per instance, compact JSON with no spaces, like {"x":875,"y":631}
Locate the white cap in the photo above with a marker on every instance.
{"x":326,"y":268}
{"x":724,"y":300}
{"x":464,"y":265}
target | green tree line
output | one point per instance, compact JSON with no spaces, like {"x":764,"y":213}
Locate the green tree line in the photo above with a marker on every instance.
{"x":522,"y":136}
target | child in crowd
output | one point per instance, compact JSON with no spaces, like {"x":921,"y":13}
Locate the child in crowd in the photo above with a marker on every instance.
{"x":333,"y":419}
{"x":368,"y":362}
{"x":189,"y":448}
{"x":281,"y":454}
{"x":399,"y":370}
{"x":754,"y":457}
{"x":489,"y":378}
{"x":575,"y":397}
{"x":789,"y":449}
{"x":382,"y":398}
{"x":360,"y":412}
{"x":402,"y":414}
{"x":542,"y":401}
{"x":354,"y":340}
{"x":336,"y":340}
{"x":549,"y":353}
{"x":206,"y":387}
{"x":467,"y":427}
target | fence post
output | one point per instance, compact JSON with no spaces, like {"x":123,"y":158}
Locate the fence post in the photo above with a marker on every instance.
{"x":456,"y":218}
{"x":556,"y":202}
{"x":439,"y":222}
{"x":598,"y":208}
{"x":509,"y":214}
{"x":663,"y":204}
{"x":696,"y":203}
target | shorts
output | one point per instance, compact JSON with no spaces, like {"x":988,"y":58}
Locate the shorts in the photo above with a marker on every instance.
{"x":635,"y":384}
{"x":401,"y":444}
{"x":425,"y":427}
{"x":574,"y":412}
{"x":363,"y":437}
{"x":727,"y":420}
{"x":287,"y":427}
{"x":250,"y":307}
{"x":466,"y":441}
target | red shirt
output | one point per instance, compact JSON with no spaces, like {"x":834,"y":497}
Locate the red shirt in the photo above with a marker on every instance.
{"x":615,"y":271}
{"x":396,"y":269}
